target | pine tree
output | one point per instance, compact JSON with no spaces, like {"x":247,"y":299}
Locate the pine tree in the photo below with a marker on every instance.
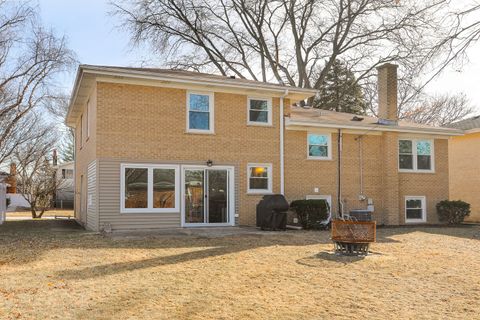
{"x":68,"y":147}
{"x":340,"y":92}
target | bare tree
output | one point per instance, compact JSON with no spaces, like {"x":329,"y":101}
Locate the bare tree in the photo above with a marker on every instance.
{"x":30,"y":58}
{"x":286,"y":40}
{"x":36,"y":178}
{"x":440,"y":110}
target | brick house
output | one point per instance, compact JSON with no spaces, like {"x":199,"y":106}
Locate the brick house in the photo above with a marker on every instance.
{"x":464,"y":165}
{"x":164,"y":149}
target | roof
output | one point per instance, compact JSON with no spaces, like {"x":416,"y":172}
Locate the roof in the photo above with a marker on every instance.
{"x":469,"y":124}
{"x":311,"y":117}
{"x":88,"y":74}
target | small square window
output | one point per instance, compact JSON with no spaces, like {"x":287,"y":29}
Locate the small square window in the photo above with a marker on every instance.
{"x":415,"y":209}
{"x":259,"y":178}
{"x":259,"y":111}
{"x":319,"y":146}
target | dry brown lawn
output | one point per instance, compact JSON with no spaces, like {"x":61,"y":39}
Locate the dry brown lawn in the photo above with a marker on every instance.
{"x":50,"y":270}
{"x":48,"y":214}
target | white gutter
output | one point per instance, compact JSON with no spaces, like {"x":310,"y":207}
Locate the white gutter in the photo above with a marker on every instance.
{"x":192,"y":80}
{"x":373,"y":127}
{"x":282,"y":145}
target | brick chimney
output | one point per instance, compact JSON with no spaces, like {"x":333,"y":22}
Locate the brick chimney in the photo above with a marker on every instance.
{"x":12,"y":179}
{"x":54,"y":158}
{"x":387,"y":94}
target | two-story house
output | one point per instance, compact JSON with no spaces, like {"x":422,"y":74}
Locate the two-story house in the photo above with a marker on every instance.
{"x":164,"y":149}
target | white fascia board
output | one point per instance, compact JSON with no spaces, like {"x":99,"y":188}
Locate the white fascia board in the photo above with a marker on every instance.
{"x":366,"y":129}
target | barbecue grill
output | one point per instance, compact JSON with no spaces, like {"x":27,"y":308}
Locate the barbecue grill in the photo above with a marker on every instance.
{"x":272,"y":212}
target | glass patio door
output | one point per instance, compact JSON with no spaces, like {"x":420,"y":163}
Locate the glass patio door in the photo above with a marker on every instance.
{"x":206,"y":198}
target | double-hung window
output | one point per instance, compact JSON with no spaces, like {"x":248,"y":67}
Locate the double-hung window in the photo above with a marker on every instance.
{"x":415,"y":209}
{"x":149,"y":188}
{"x":200,"y":112}
{"x":260,"y":111}
{"x":415,"y":155}
{"x":259,"y":178}
{"x":319,"y":146}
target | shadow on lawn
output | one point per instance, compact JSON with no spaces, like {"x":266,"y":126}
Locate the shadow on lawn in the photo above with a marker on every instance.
{"x":24,"y":241}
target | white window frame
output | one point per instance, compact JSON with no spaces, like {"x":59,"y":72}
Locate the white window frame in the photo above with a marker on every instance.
{"x":269,"y":110}
{"x":329,"y":145}
{"x":414,"y":154}
{"x":150,"y":208}
{"x":424,"y":209}
{"x":211,"y":110}
{"x":270,"y":178}
{"x":81,"y":131}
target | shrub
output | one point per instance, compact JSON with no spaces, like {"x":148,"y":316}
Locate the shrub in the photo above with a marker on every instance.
{"x":311,"y":213}
{"x":452,"y":212}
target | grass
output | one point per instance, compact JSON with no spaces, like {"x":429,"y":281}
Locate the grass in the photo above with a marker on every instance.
{"x":54,"y":270}
{"x":49,"y":213}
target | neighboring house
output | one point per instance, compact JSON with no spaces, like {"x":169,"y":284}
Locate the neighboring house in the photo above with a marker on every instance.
{"x":10,"y":179}
{"x":465,"y":165}
{"x":164,"y":149}
{"x":64,"y":195}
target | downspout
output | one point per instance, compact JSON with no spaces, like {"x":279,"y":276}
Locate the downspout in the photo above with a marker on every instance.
{"x":282,"y":146}
{"x":339,"y":173}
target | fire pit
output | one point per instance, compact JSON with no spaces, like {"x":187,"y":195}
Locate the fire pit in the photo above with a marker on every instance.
{"x":353,"y":237}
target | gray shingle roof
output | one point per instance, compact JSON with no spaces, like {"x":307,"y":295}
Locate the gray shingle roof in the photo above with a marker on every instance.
{"x":467,"y":124}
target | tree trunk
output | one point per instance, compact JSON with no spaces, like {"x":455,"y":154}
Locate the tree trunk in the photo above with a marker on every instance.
{"x":41,"y":213}
{"x":34,"y":212}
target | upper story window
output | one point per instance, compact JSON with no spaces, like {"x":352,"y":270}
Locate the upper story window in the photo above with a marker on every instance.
{"x":319,"y":146}
{"x":67,"y":174}
{"x":81,"y":131}
{"x":415,"y":155}
{"x":200,"y":112}
{"x":260,"y":111}
{"x":259,"y":178}
{"x":88,"y":119}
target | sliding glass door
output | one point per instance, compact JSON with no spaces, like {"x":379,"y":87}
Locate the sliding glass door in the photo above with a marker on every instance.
{"x":207,"y":196}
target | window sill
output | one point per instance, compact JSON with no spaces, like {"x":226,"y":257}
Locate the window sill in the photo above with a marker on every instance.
{"x":415,"y":171}
{"x":259,"y":193}
{"x":415,"y":221}
{"x":319,"y":159}
{"x":259,"y":124}
{"x":149,"y":212}
{"x":200,"y":132}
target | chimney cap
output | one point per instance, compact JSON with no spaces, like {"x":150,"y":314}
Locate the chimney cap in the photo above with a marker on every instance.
{"x":387,"y":65}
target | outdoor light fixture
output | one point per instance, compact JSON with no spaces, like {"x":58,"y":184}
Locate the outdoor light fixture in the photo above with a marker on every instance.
{"x":209,"y":163}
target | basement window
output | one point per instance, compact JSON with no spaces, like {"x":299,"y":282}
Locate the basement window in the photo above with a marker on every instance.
{"x":415,"y":209}
{"x":415,"y":155}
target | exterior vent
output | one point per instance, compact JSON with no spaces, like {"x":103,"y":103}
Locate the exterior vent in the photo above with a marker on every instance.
{"x":387,"y":122}
{"x":356,"y":118}
{"x":232,"y":77}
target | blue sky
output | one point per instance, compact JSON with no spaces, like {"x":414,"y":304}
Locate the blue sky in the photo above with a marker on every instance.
{"x":93,"y":35}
